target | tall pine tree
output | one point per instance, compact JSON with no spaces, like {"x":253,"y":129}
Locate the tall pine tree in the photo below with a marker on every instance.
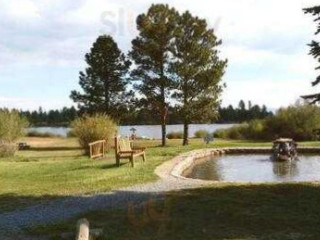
{"x":198,"y":71}
{"x":314,"y":51}
{"x":104,"y":80}
{"x":151,"y":52}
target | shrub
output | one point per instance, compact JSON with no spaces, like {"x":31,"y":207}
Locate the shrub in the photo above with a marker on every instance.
{"x":7,"y":149}
{"x":237,"y":132}
{"x":12,"y":127}
{"x":297,"y":122}
{"x":71,"y":134}
{"x":175,"y":135}
{"x":93,"y":128}
{"x":254,"y":130}
{"x":201,"y":133}
{"x":220,"y":133}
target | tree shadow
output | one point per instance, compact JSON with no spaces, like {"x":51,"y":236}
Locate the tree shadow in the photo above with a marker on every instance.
{"x":274,"y":211}
{"x":40,"y":149}
{"x":102,"y":167}
{"x":113,"y":165}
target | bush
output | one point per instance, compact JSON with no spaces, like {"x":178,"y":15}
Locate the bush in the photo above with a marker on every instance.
{"x":93,"y":128}
{"x":7,"y":149}
{"x":201,"y":133}
{"x":297,"y":122}
{"x":71,"y":134}
{"x":175,"y":135}
{"x":12,"y":127}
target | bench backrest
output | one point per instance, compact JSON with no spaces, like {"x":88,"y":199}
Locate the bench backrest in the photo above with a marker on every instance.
{"x":97,"y":149}
{"x":122,"y":145}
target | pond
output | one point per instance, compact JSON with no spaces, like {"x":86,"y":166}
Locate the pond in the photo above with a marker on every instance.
{"x":256,"y":168}
{"x":146,"y":131}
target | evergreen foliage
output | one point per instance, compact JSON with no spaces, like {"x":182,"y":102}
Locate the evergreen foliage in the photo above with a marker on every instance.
{"x":56,"y":117}
{"x":314,"y":50}
{"x":198,"y":71}
{"x":152,"y":52}
{"x":104,"y":80}
{"x":141,"y":113}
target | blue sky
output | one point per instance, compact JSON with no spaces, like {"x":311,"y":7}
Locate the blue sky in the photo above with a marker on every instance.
{"x":42,"y":46}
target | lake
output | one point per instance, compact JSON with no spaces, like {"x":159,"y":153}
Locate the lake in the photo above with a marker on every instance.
{"x":147,"y":131}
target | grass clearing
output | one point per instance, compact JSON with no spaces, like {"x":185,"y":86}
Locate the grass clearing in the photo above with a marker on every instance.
{"x":56,"y":168}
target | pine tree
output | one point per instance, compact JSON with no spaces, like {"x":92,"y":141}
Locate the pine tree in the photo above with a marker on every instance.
{"x":198,"y":71}
{"x":314,"y":51}
{"x":151,"y":52}
{"x":104,"y":80}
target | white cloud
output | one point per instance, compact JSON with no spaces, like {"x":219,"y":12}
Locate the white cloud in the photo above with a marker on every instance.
{"x":32,"y":103}
{"x":294,"y":63}
{"x":20,"y":9}
{"x":274,"y":92}
{"x":266,"y":38}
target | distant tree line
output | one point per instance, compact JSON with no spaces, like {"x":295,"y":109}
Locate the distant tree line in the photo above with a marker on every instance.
{"x":243,"y":113}
{"x":61,"y":117}
{"x":137,"y":114}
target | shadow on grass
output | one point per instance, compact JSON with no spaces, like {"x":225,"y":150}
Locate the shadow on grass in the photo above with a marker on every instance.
{"x":279,"y":211}
{"x":114,"y":165}
{"x":12,"y":202}
{"x":102,"y":167}
{"x":53,"y":149}
{"x":30,"y":211}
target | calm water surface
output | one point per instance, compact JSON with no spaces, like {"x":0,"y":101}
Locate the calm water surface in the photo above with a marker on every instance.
{"x":256,"y":168}
{"x":147,"y":131}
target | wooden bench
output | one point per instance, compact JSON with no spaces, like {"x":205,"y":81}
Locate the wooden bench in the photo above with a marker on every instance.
{"x":97,"y":149}
{"x":124,"y":150}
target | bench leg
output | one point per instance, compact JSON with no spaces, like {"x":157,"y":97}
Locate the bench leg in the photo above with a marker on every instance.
{"x":132,"y":161}
{"x":144,"y":157}
{"x":118,"y":161}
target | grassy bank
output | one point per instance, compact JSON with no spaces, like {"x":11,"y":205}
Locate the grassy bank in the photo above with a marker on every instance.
{"x":280,"y":211}
{"x":56,"y":167}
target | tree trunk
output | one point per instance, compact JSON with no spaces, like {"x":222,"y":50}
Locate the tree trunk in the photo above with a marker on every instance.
{"x":186,"y":119}
{"x":164,"y":107}
{"x":164,"y":124}
{"x":106,"y":96}
{"x":164,"y":133}
{"x":185,"y":133}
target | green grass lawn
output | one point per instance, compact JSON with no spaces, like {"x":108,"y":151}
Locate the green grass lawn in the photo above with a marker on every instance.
{"x":270,"y":212}
{"x":56,"y":168}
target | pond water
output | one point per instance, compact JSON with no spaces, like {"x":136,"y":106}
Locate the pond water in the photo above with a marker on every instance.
{"x":147,"y":131}
{"x":256,"y":168}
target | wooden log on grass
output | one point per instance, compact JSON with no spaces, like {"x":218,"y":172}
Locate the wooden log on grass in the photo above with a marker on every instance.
{"x":82,"y":229}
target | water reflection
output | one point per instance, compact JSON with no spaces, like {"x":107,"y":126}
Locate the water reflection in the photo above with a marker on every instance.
{"x":285,"y":169}
{"x":256,"y":168}
{"x":209,"y":169}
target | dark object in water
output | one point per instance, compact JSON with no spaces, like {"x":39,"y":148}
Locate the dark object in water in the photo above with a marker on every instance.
{"x":284,"y":149}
